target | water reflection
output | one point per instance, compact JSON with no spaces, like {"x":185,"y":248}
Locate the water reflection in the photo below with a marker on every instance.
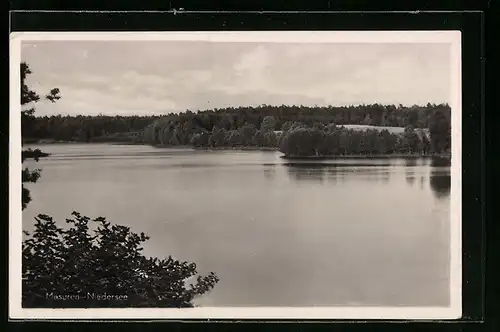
{"x":440,"y":184}
{"x":410,"y":170}
{"x":440,"y":162}
{"x":335,"y":172}
{"x":440,"y":179}
{"x":439,"y":176}
{"x":300,"y":172}
{"x":385,"y":176}
{"x":411,"y":162}
{"x":269,"y":172}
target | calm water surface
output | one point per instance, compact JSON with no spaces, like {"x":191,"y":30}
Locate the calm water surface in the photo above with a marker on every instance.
{"x":345,"y":232}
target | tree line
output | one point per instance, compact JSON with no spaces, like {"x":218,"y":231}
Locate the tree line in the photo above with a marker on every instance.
{"x":83,"y":128}
{"x":178,"y":129}
{"x":232,"y":118}
{"x":299,"y":138}
{"x":331,"y":140}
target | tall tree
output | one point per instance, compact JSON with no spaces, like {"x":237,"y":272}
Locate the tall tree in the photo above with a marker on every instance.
{"x":247,"y":132}
{"x":368,"y":120}
{"x":411,"y":140}
{"x":28,"y":98}
{"x":268,"y":124}
{"x":440,"y":132}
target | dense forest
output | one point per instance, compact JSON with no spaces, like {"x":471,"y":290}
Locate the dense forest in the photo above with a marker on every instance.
{"x":310,"y":131}
{"x":331,"y":140}
{"x":92,"y":128}
{"x":295,"y":130}
{"x":82,"y":128}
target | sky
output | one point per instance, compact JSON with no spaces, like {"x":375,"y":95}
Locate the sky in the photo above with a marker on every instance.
{"x":158,"y":77}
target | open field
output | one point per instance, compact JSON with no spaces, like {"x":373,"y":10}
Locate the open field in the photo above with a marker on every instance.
{"x":394,"y":130}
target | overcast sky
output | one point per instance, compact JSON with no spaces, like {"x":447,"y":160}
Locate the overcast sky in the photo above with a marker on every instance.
{"x":155,"y":77}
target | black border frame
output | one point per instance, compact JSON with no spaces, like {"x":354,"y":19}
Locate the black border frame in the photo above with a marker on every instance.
{"x":471,"y":23}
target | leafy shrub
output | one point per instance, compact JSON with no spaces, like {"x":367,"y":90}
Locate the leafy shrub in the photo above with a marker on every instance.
{"x":75,"y":267}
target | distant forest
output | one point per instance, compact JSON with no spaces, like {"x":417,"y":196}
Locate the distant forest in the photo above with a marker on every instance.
{"x":295,"y":130}
{"x":83,"y":128}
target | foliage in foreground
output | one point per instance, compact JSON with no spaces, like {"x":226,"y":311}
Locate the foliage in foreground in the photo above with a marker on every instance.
{"x":29,"y":97}
{"x":76,"y":267}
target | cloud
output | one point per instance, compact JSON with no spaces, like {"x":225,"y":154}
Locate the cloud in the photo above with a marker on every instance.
{"x":159,"y":77}
{"x":257,"y":59}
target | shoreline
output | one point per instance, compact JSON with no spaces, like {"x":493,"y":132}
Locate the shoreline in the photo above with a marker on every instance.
{"x":379,"y":156}
{"x":43,"y":142}
{"x":254,"y":148}
{"x":47,"y":142}
{"x":241,"y":148}
{"x":238,"y":148}
{"x":357,"y":156}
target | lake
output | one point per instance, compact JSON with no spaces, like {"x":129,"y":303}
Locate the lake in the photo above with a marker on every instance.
{"x":371,"y":232}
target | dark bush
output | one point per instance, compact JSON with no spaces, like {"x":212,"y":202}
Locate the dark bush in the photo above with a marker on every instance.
{"x":82,"y":268}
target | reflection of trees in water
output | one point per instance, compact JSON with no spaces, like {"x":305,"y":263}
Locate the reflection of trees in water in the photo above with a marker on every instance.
{"x":298,"y":172}
{"x":409,"y":171}
{"x":440,"y":179}
{"x":439,"y":176}
{"x":411,"y":162}
{"x":440,"y":184}
{"x":385,"y":176}
{"x":269,"y":172}
{"x":440,"y":162}
{"x":409,"y":176}
{"x":337,"y":173}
